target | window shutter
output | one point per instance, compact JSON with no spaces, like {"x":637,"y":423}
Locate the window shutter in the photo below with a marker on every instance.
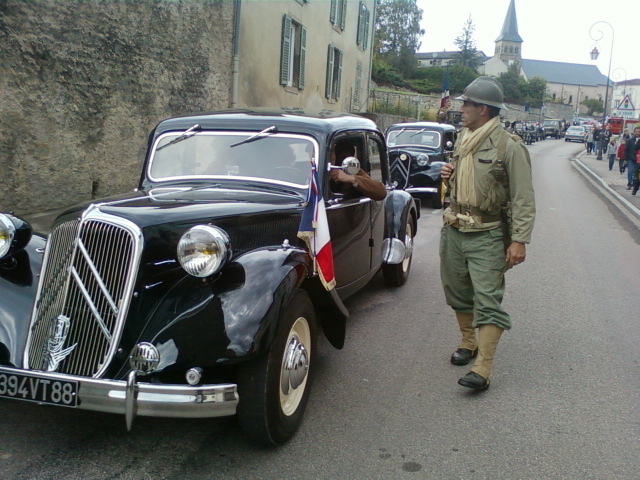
{"x":343,"y":14}
{"x":333,"y":11}
{"x":356,"y":93}
{"x":360,"y":25}
{"x":365,"y":37}
{"x":339,"y":61}
{"x":285,"y":54}
{"x":303,"y":52}
{"x":330,"y":60}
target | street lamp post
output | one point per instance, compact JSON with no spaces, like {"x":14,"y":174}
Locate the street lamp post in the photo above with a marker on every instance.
{"x":594,"y":56}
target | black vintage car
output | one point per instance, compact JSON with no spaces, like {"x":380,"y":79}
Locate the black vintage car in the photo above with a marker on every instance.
{"x":417,"y":152}
{"x":193,"y":295}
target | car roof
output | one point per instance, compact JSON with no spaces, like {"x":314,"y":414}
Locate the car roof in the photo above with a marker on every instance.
{"x":429,"y":125}
{"x":319,"y":123}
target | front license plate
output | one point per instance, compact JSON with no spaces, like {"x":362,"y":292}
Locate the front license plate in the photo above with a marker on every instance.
{"x":42,"y":390}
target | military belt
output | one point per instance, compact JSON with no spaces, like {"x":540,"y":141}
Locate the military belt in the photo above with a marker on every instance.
{"x":476,"y":212}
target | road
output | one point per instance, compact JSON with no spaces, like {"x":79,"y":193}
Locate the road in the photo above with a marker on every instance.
{"x":563,"y":402}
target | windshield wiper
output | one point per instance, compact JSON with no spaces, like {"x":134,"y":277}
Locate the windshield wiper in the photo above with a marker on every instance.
{"x":258,"y":136}
{"x":420,"y":131}
{"x":187,"y":134}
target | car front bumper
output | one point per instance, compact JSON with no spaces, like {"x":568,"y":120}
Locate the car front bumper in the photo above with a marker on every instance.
{"x":128,"y":397}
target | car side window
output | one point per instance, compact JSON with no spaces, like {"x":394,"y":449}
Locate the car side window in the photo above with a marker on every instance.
{"x":374,"y":163}
{"x":343,"y":147}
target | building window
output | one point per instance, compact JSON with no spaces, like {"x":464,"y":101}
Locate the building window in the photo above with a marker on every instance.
{"x":338,"y":13}
{"x":334,"y":72}
{"x":362,"y":38}
{"x":293,"y":51}
{"x":570,"y":99}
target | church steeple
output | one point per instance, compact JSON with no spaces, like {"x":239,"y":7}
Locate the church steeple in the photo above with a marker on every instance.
{"x":509,"y":43}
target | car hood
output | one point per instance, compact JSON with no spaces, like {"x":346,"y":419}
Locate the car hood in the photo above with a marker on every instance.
{"x":171,"y":205}
{"x":415,"y":148}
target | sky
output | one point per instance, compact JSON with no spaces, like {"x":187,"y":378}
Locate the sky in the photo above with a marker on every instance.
{"x":554,"y":30}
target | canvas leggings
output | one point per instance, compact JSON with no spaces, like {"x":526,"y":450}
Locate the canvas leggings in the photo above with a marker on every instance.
{"x":472,"y":267}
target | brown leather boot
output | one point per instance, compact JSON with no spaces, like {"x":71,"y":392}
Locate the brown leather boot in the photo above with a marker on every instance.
{"x":478,"y":377}
{"x":468,"y":348}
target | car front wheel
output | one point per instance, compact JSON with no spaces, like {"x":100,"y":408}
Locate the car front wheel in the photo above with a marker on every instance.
{"x":396,"y":275}
{"x":274,"y":389}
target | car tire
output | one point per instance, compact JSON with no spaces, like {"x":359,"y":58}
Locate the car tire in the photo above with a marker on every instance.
{"x":396,"y":275}
{"x":274,"y":389}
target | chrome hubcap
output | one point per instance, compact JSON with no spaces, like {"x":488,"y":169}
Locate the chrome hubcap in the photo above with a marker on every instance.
{"x":408,"y":243}
{"x":295,"y":366}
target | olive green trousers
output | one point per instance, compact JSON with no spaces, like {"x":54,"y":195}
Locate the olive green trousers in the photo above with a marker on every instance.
{"x":472,"y":267}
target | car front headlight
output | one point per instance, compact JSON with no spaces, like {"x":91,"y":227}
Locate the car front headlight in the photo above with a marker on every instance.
{"x":7,"y":234}
{"x":422,"y":160}
{"x":203,"y":250}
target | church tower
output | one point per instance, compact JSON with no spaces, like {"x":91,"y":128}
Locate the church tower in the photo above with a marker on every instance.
{"x":509,"y":43}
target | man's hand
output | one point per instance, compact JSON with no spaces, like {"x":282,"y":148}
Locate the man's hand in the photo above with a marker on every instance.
{"x":447,"y":170}
{"x":338,"y":175}
{"x":516,"y":253}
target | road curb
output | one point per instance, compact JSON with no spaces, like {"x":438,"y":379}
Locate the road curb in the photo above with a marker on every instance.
{"x":626,"y":207}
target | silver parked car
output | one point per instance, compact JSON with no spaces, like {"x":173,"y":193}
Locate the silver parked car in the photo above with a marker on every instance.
{"x":575,"y":134}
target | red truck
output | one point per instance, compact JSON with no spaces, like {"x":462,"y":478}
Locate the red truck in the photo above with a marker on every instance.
{"x":617,"y":124}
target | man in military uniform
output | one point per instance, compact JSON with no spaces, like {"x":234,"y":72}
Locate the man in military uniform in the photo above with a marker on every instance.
{"x":441,"y":116}
{"x":486,"y":226}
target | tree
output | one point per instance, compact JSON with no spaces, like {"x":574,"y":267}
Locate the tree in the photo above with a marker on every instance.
{"x":398,"y":33}
{"x":460,"y":77}
{"x":467,"y":46}
{"x":535,"y":90}
{"x":513,"y":85}
{"x":593,"y":105}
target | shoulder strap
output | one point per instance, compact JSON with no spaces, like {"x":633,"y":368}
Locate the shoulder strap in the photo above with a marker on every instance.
{"x":502,"y":151}
{"x":502,"y":143}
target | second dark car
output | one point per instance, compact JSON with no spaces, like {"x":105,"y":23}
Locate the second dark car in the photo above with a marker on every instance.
{"x":417,"y":152}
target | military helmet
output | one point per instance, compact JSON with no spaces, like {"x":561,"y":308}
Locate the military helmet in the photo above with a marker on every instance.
{"x":485,"y":90}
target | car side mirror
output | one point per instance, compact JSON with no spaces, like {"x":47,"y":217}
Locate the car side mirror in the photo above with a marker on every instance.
{"x":351,"y":165}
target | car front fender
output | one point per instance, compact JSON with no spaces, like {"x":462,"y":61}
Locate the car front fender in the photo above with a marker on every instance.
{"x":230,"y":318}
{"x":18,"y":287}
{"x":400,"y":207}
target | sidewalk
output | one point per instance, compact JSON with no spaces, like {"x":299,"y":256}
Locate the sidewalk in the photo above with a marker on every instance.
{"x":611,"y":184}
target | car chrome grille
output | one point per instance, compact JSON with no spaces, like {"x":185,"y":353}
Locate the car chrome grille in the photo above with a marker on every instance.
{"x":86,"y":285}
{"x":399,"y":169}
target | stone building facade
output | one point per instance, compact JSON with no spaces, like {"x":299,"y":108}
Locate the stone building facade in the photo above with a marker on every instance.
{"x":82,"y":82}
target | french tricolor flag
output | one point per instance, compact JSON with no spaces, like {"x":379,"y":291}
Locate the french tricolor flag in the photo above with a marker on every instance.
{"x":314,"y":230}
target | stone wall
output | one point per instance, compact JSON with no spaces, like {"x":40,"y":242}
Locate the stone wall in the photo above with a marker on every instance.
{"x":82,"y":83}
{"x":405,"y":105}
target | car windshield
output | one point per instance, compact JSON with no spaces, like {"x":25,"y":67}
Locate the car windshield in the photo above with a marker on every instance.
{"x":575,"y":130}
{"x":279,"y":158}
{"x":414,"y":136}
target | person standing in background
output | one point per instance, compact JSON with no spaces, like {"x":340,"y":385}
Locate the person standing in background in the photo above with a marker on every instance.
{"x":588,"y":140}
{"x":630,"y":155}
{"x":612,"y":149}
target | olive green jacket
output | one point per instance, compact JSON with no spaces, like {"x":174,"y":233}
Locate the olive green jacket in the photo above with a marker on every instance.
{"x":500,"y":183}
